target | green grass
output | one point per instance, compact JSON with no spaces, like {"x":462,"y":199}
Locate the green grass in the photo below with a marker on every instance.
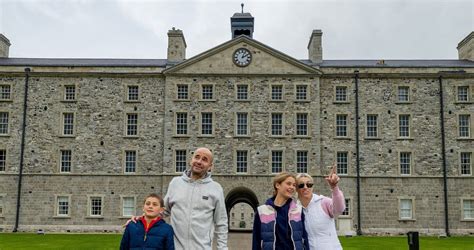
{"x":112,"y":241}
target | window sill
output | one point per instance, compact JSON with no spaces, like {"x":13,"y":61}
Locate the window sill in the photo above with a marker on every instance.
{"x":301,"y":137}
{"x":405,"y":138}
{"x":132,"y":101}
{"x":67,"y":136}
{"x":242,"y":100}
{"x":130,"y":136}
{"x":302,"y":101}
{"x":69,"y":101}
{"x":402,"y":220}
{"x":372,"y":138}
{"x":181,"y":136}
{"x":241,"y":173}
{"x":277,"y":136}
{"x":403,"y":102}
{"x":4,"y":135}
{"x":467,"y":220}
{"x":205,"y":136}
{"x":6,"y":100}
{"x":207,"y":100}
{"x":272,"y":100}
{"x":182,"y":100}
{"x":464,"y":139}
{"x":341,"y":102}
{"x":463,"y":102}
{"x":342,"y":138}
{"x":242,"y":136}
{"x":94,"y":217}
{"x":62,"y":217}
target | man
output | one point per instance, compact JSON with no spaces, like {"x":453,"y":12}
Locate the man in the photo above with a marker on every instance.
{"x":197,"y":206}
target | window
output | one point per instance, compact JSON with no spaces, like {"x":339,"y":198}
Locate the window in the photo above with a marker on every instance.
{"x":405,"y":163}
{"x":206,"y":123}
{"x":341,"y":125}
{"x":301,"y":161}
{"x":5,"y":92}
{"x":242,"y":92}
{"x":347,"y":210}
{"x":406,"y":209}
{"x":468,"y":209}
{"x":2,"y":206}
{"x":464,"y":126}
{"x":372,"y":126}
{"x":277,"y":124}
{"x":68,"y":123}
{"x":3,"y":160}
{"x":181,"y":123}
{"x":341,"y":162}
{"x":341,"y":94}
{"x":277,"y":92}
{"x":302,"y":124}
{"x":69,"y":92}
{"x":301,"y":92}
{"x":66,"y":161}
{"x":207,"y":92}
{"x":180,"y":160}
{"x":130,"y":161}
{"x":95,"y":206}
{"x":404,"y":126}
{"x":4,"y":123}
{"x":132,"y":124}
{"x":128,"y":206}
{"x":132,"y":93}
{"x":277,"y":161}
{"x":242,"y":123}
{"x":466,"y":161}
{"x":63,"y":206}
{"x":403,"y":93}
{"x":182,"y":93}
{"x":242,"y":161}
{"x":463,"y":93}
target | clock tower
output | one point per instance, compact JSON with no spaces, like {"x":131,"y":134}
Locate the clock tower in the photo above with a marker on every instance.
{"x":241,"y":24}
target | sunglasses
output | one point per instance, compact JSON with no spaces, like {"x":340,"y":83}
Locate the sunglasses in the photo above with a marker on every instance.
{"x":308,"y":185}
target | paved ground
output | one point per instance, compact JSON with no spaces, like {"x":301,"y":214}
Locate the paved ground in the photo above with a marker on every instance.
{"x":239,"y":241}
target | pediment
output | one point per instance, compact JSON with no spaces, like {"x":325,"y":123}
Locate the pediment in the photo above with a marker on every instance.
{"x":265,"y":61}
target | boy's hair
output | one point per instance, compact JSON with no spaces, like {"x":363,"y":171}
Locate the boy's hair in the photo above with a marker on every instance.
{"x":162,"y":202}
{"x":279,"y":178}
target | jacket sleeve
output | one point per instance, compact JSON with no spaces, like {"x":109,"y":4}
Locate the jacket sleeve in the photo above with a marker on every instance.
{"x":169,"y":244}
{"x":220,"y":220}
{"x":256,"y":237}
{"x":168,"y":206}
{"x":125,"y":243}
{"x":305,"y":234}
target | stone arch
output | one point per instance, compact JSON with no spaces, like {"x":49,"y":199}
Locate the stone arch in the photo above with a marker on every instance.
{"x":241,"y":194}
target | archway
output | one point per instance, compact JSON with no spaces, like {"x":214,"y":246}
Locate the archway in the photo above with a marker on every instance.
{"x":246,"y":204}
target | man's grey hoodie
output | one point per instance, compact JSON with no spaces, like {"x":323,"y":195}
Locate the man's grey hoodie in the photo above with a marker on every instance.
{"x":197,"y":209}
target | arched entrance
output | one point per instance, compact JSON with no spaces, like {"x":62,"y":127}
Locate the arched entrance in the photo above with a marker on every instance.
{"x":241,"y":204}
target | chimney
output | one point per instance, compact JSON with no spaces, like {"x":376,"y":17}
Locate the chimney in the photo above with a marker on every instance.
{"x":176,"y":46}
{"x":4,"y":46}
{"x":315,"y":49}
{"x":466,"y":48}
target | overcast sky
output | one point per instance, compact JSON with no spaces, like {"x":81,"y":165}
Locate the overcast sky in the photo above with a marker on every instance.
{"x":352,"y":29}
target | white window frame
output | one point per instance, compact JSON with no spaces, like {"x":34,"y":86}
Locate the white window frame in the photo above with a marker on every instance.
{"x":282,"y":160}
{"x":126,"y":161}
{"x":57,"y":206}
{"x":10,"y":98}
{"x":212,"y":124}
{"x":346,"y":100}
{"x":412,"y":209}
{"x":282,"y":124}
{"x":129,"y":126}
{"x":470,"y":153}
{"x":66,"y":93}
{"x":176,"y":124}
{"x":236,"y":127}
{"x":409,"y":94}
{"x":410,"y":169}
{"x":5,"y":160}
{"x":468,"y":94}
{"x":469,"y":126}
{"x":399,"y":131}
{"x":336,"y":126}
{"x":463,"y":212}
{"x":7,"y":124}
{"x":306,"y":126}
{"x":129,"y":86}
{"x":175,"y":159}
{"x":236,"y":161}
{"x":122,"y":202}
{"x":348,"y":209}
{"x":376,"y":127}
{"x":213,"y":92}
{"x":307,"y":93}
{"x":63,"y":117}
{"x":61,"y":161}
{"x":338,"y":167}
{"x":89,"y":206}
{"x":297,"y":160}
{"x":282,"y":99}
{"x":177,"y":97}
{"x":237,"y":97}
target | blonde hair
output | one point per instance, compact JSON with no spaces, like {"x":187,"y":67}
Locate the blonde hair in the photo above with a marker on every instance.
{"x":279,"y":178}
{"x":305,"y":175}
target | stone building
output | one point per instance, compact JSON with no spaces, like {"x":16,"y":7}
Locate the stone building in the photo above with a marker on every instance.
{"x":82,"y":141}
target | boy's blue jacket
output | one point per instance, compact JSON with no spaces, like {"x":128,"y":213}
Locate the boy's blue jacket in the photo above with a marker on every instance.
{"x":159,"y":236}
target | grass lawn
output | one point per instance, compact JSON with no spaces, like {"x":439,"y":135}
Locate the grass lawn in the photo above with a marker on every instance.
{"x":112,"y":241}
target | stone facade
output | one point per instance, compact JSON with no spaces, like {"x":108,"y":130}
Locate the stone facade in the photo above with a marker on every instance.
{"x":101,"y":176}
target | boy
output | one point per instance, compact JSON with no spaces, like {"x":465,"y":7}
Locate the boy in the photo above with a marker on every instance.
{"x":150,"y":232}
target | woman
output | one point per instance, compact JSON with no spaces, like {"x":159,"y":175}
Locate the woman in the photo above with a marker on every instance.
{"x":279,"y":224}
{"x":319,"y":211}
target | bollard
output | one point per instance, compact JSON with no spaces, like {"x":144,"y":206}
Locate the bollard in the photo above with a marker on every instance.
{"x":413,"y":243}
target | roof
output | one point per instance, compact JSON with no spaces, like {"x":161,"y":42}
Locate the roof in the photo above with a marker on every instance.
{"x":393,"y":63}
{"x":83,"y":62}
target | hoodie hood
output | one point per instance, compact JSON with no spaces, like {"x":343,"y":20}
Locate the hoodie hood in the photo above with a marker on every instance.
{"x":187,"y":177}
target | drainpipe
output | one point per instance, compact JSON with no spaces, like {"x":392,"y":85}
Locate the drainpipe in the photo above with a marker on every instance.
{"x":22,"y":149}
{"x":443,"y":153}
{"x":356,"y":78}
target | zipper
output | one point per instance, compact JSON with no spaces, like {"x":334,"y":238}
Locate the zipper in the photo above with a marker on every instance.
{"x":291,"y":233}
{"x":274,"y":229}
{"x":144,"y":238}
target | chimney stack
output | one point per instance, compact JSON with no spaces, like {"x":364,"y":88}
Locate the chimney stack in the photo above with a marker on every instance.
{"x":4,"y":46}
{"x":176,"y":46}
{"x":466,"y":48}
{"x":315,"y":49}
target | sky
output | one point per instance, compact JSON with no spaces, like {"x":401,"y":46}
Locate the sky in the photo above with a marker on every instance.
{"x":352,"y":29}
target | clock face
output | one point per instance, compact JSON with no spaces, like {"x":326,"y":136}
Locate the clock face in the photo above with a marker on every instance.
{"x":242,"y":57}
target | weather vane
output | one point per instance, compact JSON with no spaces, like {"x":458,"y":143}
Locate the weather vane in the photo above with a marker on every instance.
{"x":242,"y":4}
